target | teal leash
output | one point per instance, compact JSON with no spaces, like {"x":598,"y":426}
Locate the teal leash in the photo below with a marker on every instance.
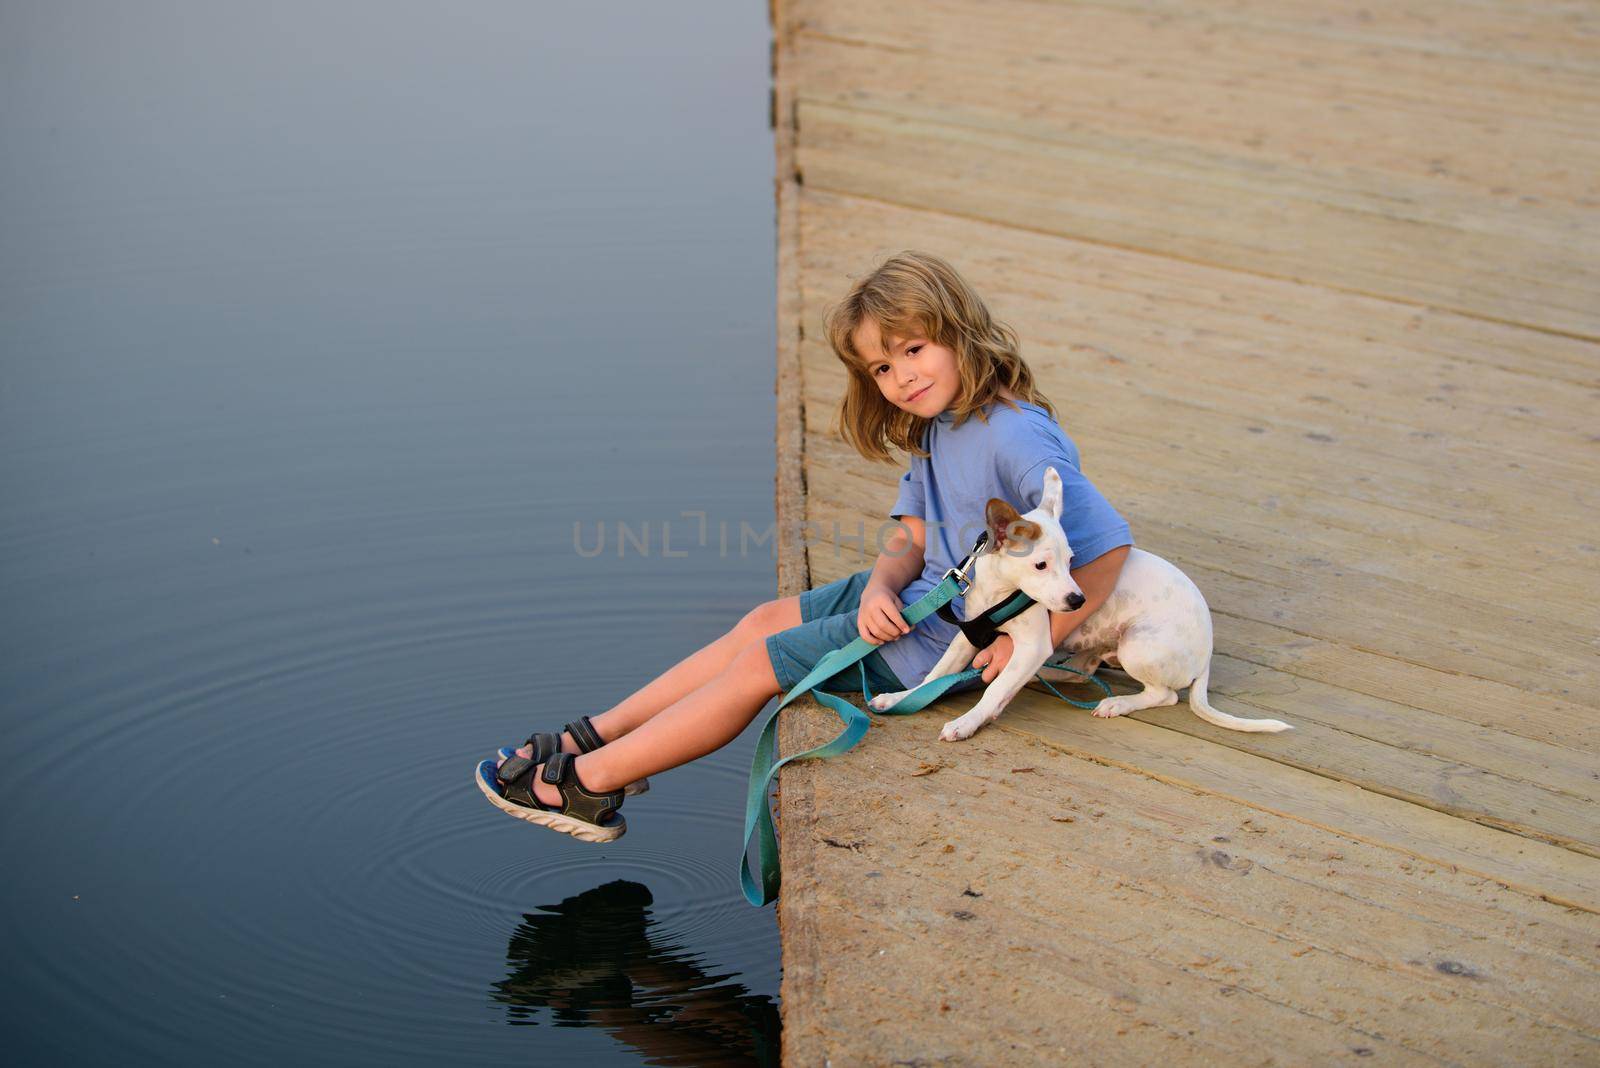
{"x":970,"y":673}
{"x":762,"y":889}
{"x":757,"y":812}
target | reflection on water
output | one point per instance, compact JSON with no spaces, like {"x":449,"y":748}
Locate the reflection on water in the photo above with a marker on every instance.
{"x":598,"y":959}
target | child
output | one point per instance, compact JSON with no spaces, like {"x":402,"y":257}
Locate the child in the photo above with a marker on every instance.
{"x":930,"y":373}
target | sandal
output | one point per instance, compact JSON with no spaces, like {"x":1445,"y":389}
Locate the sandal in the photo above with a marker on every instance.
{"x":583,"y":814}
{"x":587,"y":739}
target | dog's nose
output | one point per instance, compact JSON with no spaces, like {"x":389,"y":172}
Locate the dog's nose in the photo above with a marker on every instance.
{"x":1074,"y":601}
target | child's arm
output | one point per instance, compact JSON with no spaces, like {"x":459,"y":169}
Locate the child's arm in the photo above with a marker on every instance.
{"x":902,"y":559}
{"x":880,"y":617}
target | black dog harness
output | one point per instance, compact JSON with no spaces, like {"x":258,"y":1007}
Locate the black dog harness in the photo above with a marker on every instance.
{"x":982,"y":629}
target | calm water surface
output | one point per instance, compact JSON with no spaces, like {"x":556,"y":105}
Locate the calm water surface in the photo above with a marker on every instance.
{"x":322,"y":325}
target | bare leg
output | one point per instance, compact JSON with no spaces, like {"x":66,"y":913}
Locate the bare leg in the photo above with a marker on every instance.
{"x":695,"y":671}
{"x":689,"y":673}
{"x":692,"y":726}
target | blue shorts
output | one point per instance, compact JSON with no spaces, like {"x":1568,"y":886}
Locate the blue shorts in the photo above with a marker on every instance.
{"x":828,"y":621}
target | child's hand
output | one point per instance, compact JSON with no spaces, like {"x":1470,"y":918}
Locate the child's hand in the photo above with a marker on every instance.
{"x":879,"y":619}
{"x":994,"y":657}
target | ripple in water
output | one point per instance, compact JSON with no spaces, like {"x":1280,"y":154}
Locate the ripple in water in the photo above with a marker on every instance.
{"x":347,"y":876}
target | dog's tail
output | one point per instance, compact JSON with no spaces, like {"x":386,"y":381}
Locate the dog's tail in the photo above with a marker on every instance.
{"x":1203,"y":709}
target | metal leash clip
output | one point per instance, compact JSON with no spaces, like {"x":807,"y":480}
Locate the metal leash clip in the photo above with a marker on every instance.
{"x":959,"y":572}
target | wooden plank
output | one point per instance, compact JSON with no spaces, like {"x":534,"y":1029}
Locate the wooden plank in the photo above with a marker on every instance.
{"x":1547,"y":871}
{"x":1473,"y":700}
{"x":1268,"y":692}
{"x":1499,"y":31}
{"x":1482,"y":790}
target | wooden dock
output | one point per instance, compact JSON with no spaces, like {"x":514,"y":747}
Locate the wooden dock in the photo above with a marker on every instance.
{"x":1316,"y":289}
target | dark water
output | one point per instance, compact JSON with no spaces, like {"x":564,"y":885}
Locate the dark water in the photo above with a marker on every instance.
{"x":321,"y":326}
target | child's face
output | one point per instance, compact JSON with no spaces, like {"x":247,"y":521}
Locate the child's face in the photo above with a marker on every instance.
{"x":918,"y":376}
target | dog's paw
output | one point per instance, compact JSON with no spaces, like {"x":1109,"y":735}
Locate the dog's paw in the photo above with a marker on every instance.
{"x":887,"y":700}
{"x":1114,"y":706}
{"x":959,"y":729}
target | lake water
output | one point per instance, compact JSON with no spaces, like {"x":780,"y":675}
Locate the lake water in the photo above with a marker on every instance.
{"x":325,"y":326}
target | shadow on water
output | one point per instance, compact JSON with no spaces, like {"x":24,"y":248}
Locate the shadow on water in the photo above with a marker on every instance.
{"x":598,"y":960}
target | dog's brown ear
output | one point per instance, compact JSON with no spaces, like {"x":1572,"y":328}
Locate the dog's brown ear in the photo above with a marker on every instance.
{"x":1008,"y":529}
{"x":1000,"y":515}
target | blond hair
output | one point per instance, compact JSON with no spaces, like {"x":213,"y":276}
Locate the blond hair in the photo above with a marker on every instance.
{"x":918,"y":294}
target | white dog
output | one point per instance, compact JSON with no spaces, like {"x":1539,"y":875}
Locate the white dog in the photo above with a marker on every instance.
{"x":1155,"y":625}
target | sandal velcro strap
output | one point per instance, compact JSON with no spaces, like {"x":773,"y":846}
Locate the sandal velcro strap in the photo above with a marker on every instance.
{"x":513,"y":768}
{"x":543,"y":745}
{"x":583,"y":732}
{"x":561,"y":772}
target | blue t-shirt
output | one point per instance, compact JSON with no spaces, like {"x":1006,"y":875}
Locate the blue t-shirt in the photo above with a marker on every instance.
{"x":1006,"y":458}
